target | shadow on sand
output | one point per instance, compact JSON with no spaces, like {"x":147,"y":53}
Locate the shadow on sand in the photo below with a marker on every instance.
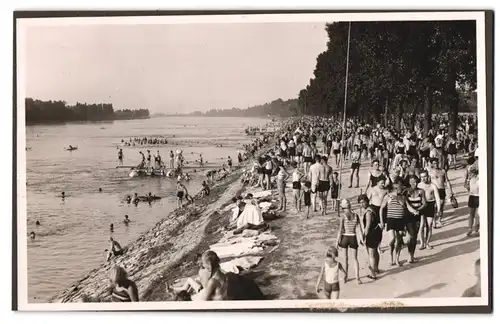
{"x":418,"y":293}
{"x":450,"y":252}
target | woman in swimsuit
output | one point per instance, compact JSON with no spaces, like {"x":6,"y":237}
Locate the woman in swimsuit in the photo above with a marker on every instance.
{"x":281,"y":184}
{"x":416,"y":199}
{"x":329,"y":273}
{"x":396,"y":205}
{"x":347,"y":237}
{"x":124,"y":289}
{"x":374,"y":175}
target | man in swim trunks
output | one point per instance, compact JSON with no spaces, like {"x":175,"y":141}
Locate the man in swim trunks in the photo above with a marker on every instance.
{"x":433,"y":205}
{"x":307,"y":157}
{"x":376,"y":196}
{"x":325,"y":172}
{"x":115,"y":249}
{"x":439,"y":177}
{"x":355,"y":164}
{"x":314,"y":174}
{"x":181,"y":192}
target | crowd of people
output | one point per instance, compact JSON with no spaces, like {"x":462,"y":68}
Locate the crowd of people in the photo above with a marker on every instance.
{"x":404,"y":196}
{"x":140,"y":141}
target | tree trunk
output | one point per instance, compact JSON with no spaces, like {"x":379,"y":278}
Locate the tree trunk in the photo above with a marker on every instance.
{"x":453,"y":112}
{"x":386,"y":112}
{"x":399,"y":114}
{"x":427,"y":110}
{"x":413,"y":116}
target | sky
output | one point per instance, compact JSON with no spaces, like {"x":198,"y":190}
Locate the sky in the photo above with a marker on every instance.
{"x":172,"y":68}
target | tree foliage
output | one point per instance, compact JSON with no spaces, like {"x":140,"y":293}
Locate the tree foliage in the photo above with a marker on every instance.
{"x":405,"y":66}
{"x":38,"y":111}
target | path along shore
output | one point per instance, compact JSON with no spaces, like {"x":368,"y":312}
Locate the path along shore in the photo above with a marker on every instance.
{"x":291,"y":271}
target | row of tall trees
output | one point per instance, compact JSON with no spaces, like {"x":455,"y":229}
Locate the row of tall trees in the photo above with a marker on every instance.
{"x":395,"y":67}
{"x":38,"y":111}
{"x":278,"y":107}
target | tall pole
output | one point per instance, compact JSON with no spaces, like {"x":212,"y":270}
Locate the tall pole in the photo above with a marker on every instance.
{"x":345,"y":109}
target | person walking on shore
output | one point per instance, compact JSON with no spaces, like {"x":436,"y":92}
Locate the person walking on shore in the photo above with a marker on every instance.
{"x":355,"y":164}
{"x":416,"y":199}
{"x":329,"y":274}
{"x":306,"y":193}
{"x":347,"y":237}
{"x":123,"y":289}
{"x":433,"y":205}
{"x":373,"y":231}
{"x":296,"y":186}
{"x":314,"y":174}
{"x":396,"y":204}
{"x":439,"y":177}
{"x":472,"y":186}
{"x":281,"y":184}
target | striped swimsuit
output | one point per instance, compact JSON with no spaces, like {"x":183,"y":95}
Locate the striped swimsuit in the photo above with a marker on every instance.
{"x":395,"y":214}
{"x":121,"y":295}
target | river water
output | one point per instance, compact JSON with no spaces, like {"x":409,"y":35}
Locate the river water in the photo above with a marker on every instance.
{"x":74,"y":232}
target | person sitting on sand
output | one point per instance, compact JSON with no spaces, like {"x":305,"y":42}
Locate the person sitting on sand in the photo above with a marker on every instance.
{"x":205,"y":189}
{"x":329,"y":273}
{"x":246,"y":216}
{"x":123,"y":289}
{"x":213,"y":283}
{"x":115,"y":249}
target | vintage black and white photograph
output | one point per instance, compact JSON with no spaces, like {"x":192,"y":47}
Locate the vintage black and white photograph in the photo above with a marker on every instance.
{"x":277,"y":160}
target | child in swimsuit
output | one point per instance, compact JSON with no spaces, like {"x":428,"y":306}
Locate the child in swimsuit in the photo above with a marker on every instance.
{"x":306,"y":193}
{"x":330,"y":275}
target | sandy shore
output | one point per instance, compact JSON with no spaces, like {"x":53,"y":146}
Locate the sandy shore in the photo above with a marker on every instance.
{"x":291,"y":271}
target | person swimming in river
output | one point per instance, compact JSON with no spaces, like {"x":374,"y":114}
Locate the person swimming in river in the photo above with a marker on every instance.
{"x":32,"y":235}
{"x":115,"y":249}
{"x":37,"y":223}
{"x":126,"y":220}
{"x":136,"y":199}
{"x":63,"y":195}
{"x":111,"y":228}
{"x":128,"y":199}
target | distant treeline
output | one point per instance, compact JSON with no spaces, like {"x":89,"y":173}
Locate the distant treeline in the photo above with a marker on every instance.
{"x":275,"y":108}
{"x":38,"y":111}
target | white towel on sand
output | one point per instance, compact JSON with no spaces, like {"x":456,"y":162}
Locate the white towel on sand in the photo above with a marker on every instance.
{"x":244,"y":263}
{"x":262,"y":194}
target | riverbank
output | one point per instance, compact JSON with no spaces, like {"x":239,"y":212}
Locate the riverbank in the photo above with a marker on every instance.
{"x":291,"y":271}
{"x":166,"y":248}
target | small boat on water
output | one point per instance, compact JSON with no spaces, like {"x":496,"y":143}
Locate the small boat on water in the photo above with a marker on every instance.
{"x":71,"y":148}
